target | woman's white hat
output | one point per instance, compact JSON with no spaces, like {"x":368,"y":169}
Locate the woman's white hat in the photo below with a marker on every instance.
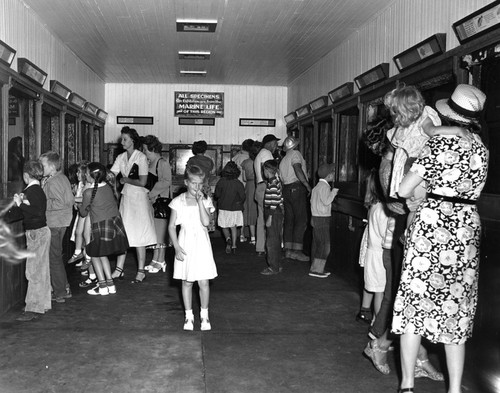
{"x":464,"y":105}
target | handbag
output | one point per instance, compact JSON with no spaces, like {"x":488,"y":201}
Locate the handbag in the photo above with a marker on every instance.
{"x":161,"y":209}
{"x":134,"y":172}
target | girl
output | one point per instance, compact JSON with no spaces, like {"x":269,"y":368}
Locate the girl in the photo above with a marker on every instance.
{"x":230,"y":195}
{"x":108,"y":234}
{"x":374,"y":270}
{"x":194,"y":260}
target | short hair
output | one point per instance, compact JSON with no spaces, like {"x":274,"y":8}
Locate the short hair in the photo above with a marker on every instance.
{"x":254,"y":150}
{"x":193,"y":170}
{"x":406,"y":105}
{"x":271,"y":165}
{"x":132,"y":133}
{"x":247,"y":144}
{"x":230,"y":170}
{"x":152,"y":143}
{"x":199,"y":147}
{"x":34,"y":169}
{"x":52,"y":158}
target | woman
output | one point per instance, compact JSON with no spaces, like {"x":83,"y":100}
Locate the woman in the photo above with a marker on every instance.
{"x":250,"y":207}
{"x":135,"y":208}
{"x":437,"y":294}
{"x":158,"y":184}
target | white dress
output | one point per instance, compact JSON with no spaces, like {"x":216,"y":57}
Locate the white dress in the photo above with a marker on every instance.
{"x":193,"y":237}
{"x":135,"y":208}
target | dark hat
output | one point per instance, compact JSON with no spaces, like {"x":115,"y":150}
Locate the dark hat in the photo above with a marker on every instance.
{"x":325,"y":169}
{"x":269,"y":138}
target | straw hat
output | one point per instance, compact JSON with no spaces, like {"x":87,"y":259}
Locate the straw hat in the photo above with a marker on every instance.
{"x":464,"y":105}
{"x":290,"y":143}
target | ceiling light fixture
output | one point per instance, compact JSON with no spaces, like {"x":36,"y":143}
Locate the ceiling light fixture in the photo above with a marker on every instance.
{"x":193,"y":73}
{"x":194,"y":55}
{"x":196,"y":25}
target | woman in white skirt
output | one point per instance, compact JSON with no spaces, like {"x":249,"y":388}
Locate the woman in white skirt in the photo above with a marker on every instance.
{"x":135,"y":208}
{"x":230,"y":196}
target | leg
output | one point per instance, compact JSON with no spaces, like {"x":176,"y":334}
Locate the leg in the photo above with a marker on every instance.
{"x":288,"y":217}
{"x":141,"y":262}
{"x":106,"y":267}
{"x":204,"y":293}
{"x":234,"y":236}
{"x":261,"y":228}
{"x":252,"y":231}
{"x":377,"y":301}
{"x":96,"y":262}
{"x":410,"y":344}
{"x":300,"y":213}
{"x":120,"y":262}
{"x":57,"y":270}
{"x":80,"y":224}
{"x":365,"y":312}
{"x":274,"y":241}
{"x":455,"y":358}
{"x":187,"y":294}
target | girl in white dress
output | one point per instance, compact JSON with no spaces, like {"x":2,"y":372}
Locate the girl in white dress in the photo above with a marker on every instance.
{"x":135,"y":208}
{"x":194,"y":259}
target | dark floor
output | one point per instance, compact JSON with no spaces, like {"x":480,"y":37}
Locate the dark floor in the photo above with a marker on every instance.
{"x":284,"y":333}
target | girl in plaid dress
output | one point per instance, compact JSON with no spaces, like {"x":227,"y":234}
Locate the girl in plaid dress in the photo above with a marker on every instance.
{"x":108,"y":233}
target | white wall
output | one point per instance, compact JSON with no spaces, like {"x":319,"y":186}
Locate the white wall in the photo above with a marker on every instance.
{"x":157,"y":100}
{"x":399,"y":26}
{"x":21,"y":29}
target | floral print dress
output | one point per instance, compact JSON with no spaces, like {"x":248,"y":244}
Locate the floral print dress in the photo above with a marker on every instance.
{"x":437,"y":294}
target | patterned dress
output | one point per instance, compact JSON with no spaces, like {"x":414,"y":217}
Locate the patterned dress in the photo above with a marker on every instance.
{"x":437,"y":294}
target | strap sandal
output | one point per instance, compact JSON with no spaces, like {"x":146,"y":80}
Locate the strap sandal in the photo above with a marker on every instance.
{"x":157,"y":266}
{"x":118,"y":273}
{"x":425,"y":369}
{"x":139,"y":277}
{"x":377,"y":356}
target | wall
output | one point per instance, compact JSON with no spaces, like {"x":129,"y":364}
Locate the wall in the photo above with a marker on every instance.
{"x":157,"y":100}
{"x":398,"y":27}
{"x":21,"y":29}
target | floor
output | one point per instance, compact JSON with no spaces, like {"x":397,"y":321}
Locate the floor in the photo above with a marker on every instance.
{"x":283,"y":333}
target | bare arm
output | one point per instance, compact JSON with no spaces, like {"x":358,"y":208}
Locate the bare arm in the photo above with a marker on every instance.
{"x":172,"y":232}
{"x":408,"y":184}
{"x":204,"y":216}
{"x":141,"y":182}
{"x":431,"y":130}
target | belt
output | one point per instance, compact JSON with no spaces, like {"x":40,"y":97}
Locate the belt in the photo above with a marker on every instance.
{"x":295,"y":183}
{"x":451,"y":199}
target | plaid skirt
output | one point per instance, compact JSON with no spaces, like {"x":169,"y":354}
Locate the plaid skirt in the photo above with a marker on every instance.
{"x":107,"y":237}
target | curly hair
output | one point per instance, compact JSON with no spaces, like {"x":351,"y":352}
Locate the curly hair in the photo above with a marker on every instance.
{"x":132,"y":133}
{"x":406,"y":105}
{"x":199,"y":147}
{"x":152,"y":143}
{"x":230,"y":170}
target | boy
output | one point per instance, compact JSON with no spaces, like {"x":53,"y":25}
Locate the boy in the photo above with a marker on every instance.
{"x":33,"y":203}
{"x":321,"y":205}
{"x":60,"y":200}
{"x":273,"y":213}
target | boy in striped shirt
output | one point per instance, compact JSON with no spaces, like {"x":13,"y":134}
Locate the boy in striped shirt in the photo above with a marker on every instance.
{"x":273,"y":212}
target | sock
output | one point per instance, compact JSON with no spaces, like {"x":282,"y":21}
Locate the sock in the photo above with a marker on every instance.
{"x":189,"y":314}
{"x":92,"y":276}
{"x":77,"y":251}
{"x":102,"y":284}
{"x":204,"y":313}
{"x":110,"y":283}
{"x":252,"y":238}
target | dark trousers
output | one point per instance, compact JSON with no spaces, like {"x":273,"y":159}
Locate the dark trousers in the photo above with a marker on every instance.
{"x":58,"y":277}
{"x":295,"y":224}
{"x":321,"y":243}
{"x":273,"y":240}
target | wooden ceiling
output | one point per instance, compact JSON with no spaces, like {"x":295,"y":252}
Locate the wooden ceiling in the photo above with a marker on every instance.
{"x":256,"y":42}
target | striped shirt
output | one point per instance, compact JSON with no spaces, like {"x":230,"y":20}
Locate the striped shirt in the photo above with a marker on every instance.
{"x":273,"y":197}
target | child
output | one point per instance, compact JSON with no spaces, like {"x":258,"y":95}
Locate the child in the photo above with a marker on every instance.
{"x":230,"y":195}
{"x":273,"y":215}
{"x":33,"y":203}
{"x":374,"y":270}
{"x":60,"y":201}
{"x":194,"y":260}
{"x":322,"y":197}
{"x":81,"y":226}
{"x":414,"y":124}
{"x":108,"y":234}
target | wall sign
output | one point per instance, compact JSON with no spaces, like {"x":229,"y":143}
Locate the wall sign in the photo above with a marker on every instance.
{"x":257,"y":122}
{"x":193,"y":121}
{"x":148,"y":120}
{"x":478,"y":23}
{"x":199,"y":104}
{"x":13,"y":106}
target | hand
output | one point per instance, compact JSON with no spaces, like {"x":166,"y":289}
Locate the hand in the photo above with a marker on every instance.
{"x":413,"y":203}
{"x":179,"y":253}
{"x":17,"y":199}
{"x":122,"y":180}
{"x":464,"y":133}
{"x":269,"y":221}
{"x":335,"y":191}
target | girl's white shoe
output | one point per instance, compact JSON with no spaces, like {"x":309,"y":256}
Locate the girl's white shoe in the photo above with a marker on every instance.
{"x":205,"y":324}
{"x":189,"y":324}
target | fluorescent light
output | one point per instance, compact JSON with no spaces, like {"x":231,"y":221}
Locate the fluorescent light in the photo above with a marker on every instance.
{"x":194,"y":55}
{"x":196,"y":25}
{"x":193,"y":73}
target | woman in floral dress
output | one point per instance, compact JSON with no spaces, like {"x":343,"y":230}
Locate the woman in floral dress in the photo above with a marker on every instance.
{"x":437,"y":294}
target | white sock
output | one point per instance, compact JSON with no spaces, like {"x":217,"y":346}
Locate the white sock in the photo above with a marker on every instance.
{"x":189,"y":314}
{"x":92,"y":276}
{"x":204,"y":313}
{"x":77,"y":251}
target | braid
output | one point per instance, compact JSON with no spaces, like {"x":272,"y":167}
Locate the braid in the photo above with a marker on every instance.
{"x":94,"y":191}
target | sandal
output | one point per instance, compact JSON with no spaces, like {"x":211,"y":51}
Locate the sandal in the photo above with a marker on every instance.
{"x":139,"y":277}
{"x":228,"y":245}
{"x":118,"y":273}
{"x":425,"y":369}
{"x":406,"y":390}
{"x":377,"y":356}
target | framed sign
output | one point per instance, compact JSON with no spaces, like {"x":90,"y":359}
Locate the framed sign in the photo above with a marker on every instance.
{"x":198,"y":104}
{"x":13,"y":106}
{"x":193,"y":121}
{"x":257,"y":122}
{"x":341,"y":92}
{"x":478,"y":23}
{"x":423,"y":51}
{"x":146,"y":120}
{"x":370,"y":77}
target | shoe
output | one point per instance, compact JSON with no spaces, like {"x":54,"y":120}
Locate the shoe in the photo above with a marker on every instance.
{"x":27,"y":316}
{"x":228,"y":245}
{"x":297,"y":255}
{"x":319,"y":274}
{"x":111,"y":289}
{"x":261,"y":254}
{"x":68,"y":294}
{"x":233,"y":250}
{"x":88,"y":282}
{"x":377,"y":356}
{"x":76,"y":257}
{"x":139,"y":277}
{"x":151,"y":265}
{"x":205,"y":324}
{"x":424,"y":369}
{"x":118,"y":273}
{"x":269,"y":272}
{"x":189,"y":324}
{"x":243,"y":239}
{"x":158,"y":266}
{"x":406,"y":390}
{"x":84,"y":272}
{"x":79,"y":264}
{"x":252,"y":242}
{"x":58,"y":299}
{"x":97,"y":290}
{"x":364,"y":315}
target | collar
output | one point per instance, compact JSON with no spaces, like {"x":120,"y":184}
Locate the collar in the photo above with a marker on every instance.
{"x":324,"y":181}
{"x":32,"y":182}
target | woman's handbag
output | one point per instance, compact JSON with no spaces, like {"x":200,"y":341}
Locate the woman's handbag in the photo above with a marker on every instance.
{"x":161,"y":209}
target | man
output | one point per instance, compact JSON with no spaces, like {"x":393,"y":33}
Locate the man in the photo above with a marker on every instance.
{"x":269,"y":145}
{"x":296,"y":189}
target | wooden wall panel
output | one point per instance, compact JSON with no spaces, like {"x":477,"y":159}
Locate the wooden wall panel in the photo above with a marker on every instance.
{"x":21,"y":28}
{"x":157,"y":100}
{"x":397,"y":27}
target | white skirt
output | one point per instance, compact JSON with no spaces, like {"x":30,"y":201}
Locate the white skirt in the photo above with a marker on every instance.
{"x":137,"y":215}
{"x":229,"y":219}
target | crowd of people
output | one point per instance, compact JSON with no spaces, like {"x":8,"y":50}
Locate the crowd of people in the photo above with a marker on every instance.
{"x":420,"y":250}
